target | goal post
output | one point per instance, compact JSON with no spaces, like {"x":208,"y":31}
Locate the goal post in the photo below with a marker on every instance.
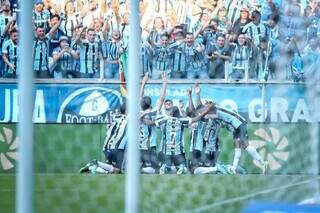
{"x":133,"y":156}
{"x":24,"y":178}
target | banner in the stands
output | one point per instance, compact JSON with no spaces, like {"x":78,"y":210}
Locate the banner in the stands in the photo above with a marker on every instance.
{"x":90,"y":103}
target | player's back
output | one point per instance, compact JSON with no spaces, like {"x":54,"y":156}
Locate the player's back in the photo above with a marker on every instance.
{"x":116,"y":132}
{"x":148,"y":133}
{"x":229,"y":117}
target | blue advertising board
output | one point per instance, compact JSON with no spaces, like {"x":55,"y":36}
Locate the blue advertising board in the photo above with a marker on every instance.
{"x":90,"y":103}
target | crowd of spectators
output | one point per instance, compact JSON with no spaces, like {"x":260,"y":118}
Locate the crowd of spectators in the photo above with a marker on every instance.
{"x":206,"y":39}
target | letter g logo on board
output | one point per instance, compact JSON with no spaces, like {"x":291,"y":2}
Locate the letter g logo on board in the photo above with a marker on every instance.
{"x":88,"y":102}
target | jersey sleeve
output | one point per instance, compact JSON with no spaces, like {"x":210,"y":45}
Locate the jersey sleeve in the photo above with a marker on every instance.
{"x":4,"y":47}
{"x":160,"y":120}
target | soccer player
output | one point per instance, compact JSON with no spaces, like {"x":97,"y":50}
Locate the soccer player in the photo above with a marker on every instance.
{"x":172,"y":128}
{"x":10,"y":55}
{"x":204,"y":147}
{"x":148,"y":132}
{"x":238,"y":126}
{"x":114,"y":146}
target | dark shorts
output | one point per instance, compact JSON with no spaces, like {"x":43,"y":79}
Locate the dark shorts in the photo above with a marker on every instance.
{"x":240,"y":134}
{"x":200,"y":159}
{"x":115,"y":157}
{"x":175,"y":160}
{"x":161,"y":157}
{"x":149,"y":158}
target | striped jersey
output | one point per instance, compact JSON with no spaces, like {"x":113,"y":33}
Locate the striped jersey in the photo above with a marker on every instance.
{"x":210,"y":131}
{"x":162,"y":57}
{"x":204,"y":135}
{"x":3,"y":22}
{"x":116,"y":134}
{"x":11,"y":50}
{"x":89,"y":57}
{"x":256,"y":32}
{"x":179,"y":58}
{"x":76,"y":62}
{"x":41,"y":18}
{"x":148,"y":133}
{"x":65,"y":62}
{"x":196,"y":136}
{"x":209,"y":36}
{"x":230,"y":118}
{"x":210,"y":134}
{"x":240,"y":56}
{"x":184,"y":12}
{"x":145,"y":59}
{"x":112,"y":50}
{"x":154,"y":36}
{"x":41,"y":54}
{"x":172,"y":129}
{"x":69,"y":23}
{"x":233,"y":9}
{"x":194,"y":58}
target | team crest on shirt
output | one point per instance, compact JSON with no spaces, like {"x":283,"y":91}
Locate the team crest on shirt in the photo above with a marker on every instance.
{"x":89,"y":105}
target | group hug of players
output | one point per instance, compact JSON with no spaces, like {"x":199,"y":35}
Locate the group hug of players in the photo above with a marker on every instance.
{"x":204,"y":121}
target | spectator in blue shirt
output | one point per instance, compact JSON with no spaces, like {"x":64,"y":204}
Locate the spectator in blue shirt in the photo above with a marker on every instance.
{"x":54,"y":41}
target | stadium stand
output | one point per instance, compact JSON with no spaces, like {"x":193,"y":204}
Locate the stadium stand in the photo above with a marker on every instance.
{"x":205,"y":39}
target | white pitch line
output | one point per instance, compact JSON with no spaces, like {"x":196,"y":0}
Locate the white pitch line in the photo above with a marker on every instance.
{"x":236,"y":199}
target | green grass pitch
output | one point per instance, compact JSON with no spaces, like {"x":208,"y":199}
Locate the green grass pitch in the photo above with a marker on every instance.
{"x":169,"y":193}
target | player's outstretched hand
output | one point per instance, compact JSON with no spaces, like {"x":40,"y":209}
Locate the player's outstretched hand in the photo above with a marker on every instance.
{"x":145,"y":78}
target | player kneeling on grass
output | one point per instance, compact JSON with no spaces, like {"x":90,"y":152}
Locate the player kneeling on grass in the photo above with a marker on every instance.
{"x":238,"y":126}
{"x":204,"y":147}
{"x":114,"y":147}
{"x":173,"y":128}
